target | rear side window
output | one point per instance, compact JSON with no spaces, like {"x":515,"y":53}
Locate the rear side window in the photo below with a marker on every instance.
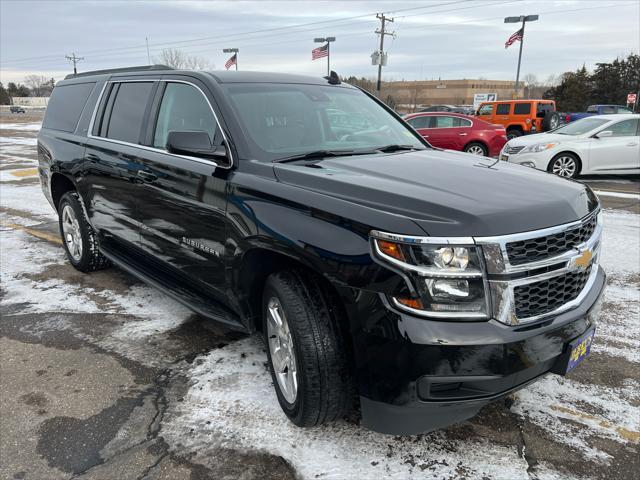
{"x":503,"y":108}
{"x":127,"y":112}
{"x":607,"y":109}
{"x":522,"y":109}
{"x":486,"y":109}
{"x":66,"y":105}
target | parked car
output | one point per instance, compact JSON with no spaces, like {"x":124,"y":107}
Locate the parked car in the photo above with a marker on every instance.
{"x":417,"y":281}
{"x":596,"y":110}
{"x":521,"y":117}
{"x":459,"y":132}
{"x":17,"y":109}
{"x":606,"y":144}
{"x":444,"y":108}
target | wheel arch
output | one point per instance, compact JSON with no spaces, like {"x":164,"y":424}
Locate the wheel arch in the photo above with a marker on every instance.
{"x":572,"y":152}
{"x":59,"y":184}
{"x":481,"y":142}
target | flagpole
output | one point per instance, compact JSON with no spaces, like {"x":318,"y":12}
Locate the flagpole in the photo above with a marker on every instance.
{"x":328,"y":57}
{"x":520,"y":58}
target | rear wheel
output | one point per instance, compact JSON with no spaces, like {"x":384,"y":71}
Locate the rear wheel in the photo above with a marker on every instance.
{"x":476,"y":148}
{"x":78,"y":236}
{"x":307,"y":349}
{"x":511,"y":134}
{"x":565,"y":165}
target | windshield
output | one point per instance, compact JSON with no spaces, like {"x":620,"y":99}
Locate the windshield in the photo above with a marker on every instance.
{"x":580,"y":126}
{"x":284,"y":120}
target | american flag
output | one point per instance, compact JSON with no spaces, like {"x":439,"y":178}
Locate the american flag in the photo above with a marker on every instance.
{"x":231,"y":62}
{"x":320,"y":52}
{"x":514,"y":38}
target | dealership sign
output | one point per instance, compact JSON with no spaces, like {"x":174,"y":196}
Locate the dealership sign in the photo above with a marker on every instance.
{"x":478,"y":98}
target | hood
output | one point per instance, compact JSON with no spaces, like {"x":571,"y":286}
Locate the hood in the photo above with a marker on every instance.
{"x":446,"y":193}
{"x":540,"y":138}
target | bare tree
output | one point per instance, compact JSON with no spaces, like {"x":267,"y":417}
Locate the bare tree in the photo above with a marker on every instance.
{"x":176,"y":58}
{"x":37,"y":83}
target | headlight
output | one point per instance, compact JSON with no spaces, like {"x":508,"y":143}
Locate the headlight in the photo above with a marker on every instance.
{"x":540,"y":147}
{"x":447,"y":279}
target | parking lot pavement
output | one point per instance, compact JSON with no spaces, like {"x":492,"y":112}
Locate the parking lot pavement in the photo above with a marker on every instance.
{"x":103,"y":377}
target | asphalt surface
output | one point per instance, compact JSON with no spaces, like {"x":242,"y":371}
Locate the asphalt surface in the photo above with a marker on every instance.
{"x":103,"y":378}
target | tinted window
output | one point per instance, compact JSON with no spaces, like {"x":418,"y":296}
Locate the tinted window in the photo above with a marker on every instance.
{"x":420,"y":122}
{"x":624,"y":110}
{"x":503,"y":108}
{"x":65,"y":106}
{"x":544,"y":107}
{"x":627,"y":128}
{"x":128,"y":110}
{"x":522,"y":109}
{"x":592,"y":109}
{"x":608,"y":109}
{"x":183,"y":107}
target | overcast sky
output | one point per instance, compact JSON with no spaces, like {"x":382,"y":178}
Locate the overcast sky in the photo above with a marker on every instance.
{"x":446,"y":39}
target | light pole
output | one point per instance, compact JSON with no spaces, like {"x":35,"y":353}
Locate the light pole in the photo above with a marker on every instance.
{"x":524,"y":19}
{"x":328,"y":40}
{"x":232,"y":50}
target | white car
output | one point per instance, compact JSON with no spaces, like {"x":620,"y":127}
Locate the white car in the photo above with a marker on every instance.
{"x":603,"y":144}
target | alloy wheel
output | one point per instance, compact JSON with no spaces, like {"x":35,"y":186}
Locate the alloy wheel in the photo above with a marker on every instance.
{"x":71,"y":233}
{"x":564,"y":166}
{"x":475,"y":150}
{"x":283,"y":357}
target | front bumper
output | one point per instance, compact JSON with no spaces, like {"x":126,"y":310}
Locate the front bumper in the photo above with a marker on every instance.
{"x":538,"y":160}
{"x":417,"y":375}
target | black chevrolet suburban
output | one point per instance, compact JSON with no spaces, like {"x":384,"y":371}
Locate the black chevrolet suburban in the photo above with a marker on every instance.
{"x":388,"y":277}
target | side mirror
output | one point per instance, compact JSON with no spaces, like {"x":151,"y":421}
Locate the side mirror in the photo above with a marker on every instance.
{"x":604,"y":134}
{"x":194,"y":143}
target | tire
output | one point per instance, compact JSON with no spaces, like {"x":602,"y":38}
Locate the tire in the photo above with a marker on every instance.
{"x":511,"y":134}
{"x":315,"y":331}
{"x":565,"y":165}
{"x":78,"y":236}
{"x":476,"y":148}
{"x":551,"y":121}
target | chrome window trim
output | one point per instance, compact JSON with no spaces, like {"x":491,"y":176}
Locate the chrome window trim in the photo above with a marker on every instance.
{"x":154,"y":149}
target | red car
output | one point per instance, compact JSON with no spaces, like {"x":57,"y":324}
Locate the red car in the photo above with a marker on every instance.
{"x":455,"y":131}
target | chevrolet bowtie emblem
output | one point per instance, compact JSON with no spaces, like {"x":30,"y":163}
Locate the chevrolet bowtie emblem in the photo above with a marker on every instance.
{"x":583,"y":260}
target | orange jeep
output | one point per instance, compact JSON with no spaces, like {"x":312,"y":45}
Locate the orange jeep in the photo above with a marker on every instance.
{"x":520,"y":117}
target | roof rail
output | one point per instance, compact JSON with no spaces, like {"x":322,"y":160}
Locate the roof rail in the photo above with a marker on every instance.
{"x":141,"y":68}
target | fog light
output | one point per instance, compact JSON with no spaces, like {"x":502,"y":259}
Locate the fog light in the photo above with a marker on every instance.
{"x":529,"y":164}
{"x":448,"y":289}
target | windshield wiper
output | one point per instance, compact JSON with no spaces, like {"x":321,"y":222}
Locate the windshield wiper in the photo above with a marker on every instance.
{"x":316,"y":154}
{"x":395,"y":148}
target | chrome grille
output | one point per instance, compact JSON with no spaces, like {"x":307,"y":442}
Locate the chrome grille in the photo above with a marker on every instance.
{"x":539,"y":298}
{"x":512,"y":150}
{"x":535,"y":249}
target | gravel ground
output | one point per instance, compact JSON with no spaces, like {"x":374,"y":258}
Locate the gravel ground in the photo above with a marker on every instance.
{"x":103,"y":377}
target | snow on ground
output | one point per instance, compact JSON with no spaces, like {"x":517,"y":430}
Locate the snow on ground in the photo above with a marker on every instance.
{"x":29,"y":127}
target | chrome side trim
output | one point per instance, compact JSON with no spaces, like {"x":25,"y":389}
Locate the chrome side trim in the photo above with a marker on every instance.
{"x":443,"y":315}
{"x":159,"y":150}
{"x":394,"y":237}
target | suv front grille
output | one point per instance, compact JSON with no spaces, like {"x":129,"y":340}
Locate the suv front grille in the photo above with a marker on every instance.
{"x":542,"y":297}
{"x":534,"y":249}
{"x":512,"y":150}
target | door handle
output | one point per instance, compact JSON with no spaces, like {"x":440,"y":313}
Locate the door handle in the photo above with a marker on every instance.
{"x":425,"y":136}
{"x":631,"y":144}
{"x":462,"y":134}
{"x":146,"y":176}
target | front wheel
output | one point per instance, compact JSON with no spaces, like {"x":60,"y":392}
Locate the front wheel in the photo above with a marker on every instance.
{"x":307,"y":349}
{"x":565,"y":165}
{"x":476,"y":148}
{"x":511,"y":134}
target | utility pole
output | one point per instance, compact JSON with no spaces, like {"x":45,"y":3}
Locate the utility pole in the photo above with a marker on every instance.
{"x":146,"y":39}
{"x":524,"y":19}
{"x":72,"y":58}
{"x":328,"y":40}
{"x":382,"y":32}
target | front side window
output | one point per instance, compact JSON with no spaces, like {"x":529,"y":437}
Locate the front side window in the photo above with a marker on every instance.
{"x":608,"y":109}
{"x":183,"y":108}
{"x":282,"y":120}
{"x":503,"y":109}
{"x":522,"y":109}
{"x":624,"y":110}
{"x":626,"y":128}
{"x":127,"y":111}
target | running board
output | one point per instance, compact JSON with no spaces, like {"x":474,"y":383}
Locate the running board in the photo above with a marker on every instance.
{"x":173,"y":287}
